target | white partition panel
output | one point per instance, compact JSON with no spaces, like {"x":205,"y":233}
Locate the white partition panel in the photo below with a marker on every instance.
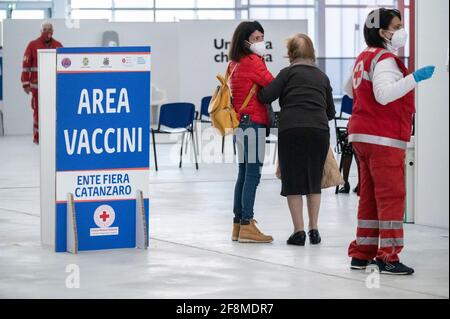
{"x":432,"y":148}
{"x":47,"y":124}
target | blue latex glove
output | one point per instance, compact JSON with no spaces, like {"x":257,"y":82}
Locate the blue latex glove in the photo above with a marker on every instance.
{"x":424,"y":73}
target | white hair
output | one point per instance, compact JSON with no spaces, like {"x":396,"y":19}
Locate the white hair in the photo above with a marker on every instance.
{"x":46,"y":24}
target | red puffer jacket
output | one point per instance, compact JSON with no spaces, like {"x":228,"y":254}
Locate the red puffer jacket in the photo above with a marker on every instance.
{"x":251,"y":69}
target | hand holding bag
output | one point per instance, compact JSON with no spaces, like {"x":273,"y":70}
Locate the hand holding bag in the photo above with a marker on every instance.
{"x":331,"y":175}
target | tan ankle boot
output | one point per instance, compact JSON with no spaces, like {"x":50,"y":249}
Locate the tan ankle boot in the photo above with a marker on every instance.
{"x":236,"y":229}
{"x":251,"y":234}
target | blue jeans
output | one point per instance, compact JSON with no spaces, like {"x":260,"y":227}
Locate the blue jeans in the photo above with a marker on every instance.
{"x":251,"y":145}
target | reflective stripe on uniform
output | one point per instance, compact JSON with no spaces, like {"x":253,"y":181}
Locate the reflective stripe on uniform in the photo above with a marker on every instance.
{"x":391,"y":242}
{"x":367,"y":241}
{"x":388,"y":225}
{"x":375,"y":224}
{"x":375,"y":62}
{"x":26,"y":70}
{"x":34,"y":86}
{"x":369,"y":224}
{"x":378,"y":140}
{"x":366,"y":76}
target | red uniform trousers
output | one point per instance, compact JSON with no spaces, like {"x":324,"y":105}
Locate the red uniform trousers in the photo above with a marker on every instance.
{"x":35,"y":108}
{"x":382,"y":203}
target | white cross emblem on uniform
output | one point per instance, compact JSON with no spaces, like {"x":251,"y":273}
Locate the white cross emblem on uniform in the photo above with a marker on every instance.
{"x":358,"y":75}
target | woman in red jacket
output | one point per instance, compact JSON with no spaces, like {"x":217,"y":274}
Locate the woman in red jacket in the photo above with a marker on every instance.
{"x":247,"y":68}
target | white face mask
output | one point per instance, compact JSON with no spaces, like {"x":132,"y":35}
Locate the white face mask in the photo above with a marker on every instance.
{"x":398,"y":41}
{"x":258,"y":48}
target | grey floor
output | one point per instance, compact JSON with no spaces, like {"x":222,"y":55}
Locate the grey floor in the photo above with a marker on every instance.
{"x":190,"y":253}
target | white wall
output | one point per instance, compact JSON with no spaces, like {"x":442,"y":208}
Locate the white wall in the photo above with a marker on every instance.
{"x":182,"y":55}
{"x":17,"y":33}
{"x":432,"y":152}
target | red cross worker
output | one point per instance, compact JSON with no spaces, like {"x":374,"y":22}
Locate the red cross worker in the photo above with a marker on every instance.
{"x":379,"y":130}
{"x":30,"y":70}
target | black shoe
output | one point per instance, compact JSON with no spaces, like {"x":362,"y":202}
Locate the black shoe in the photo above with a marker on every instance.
{"x":356,"y":189}
{"x":314,"y":237}
{"x":297,"y":239}
{"x":345,"y":189}
{"x":396,"y":268}
{"x":359,"y":264}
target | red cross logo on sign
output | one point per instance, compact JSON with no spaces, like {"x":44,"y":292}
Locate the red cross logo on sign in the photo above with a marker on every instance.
{"x":358,"y":75}
{"x":104,"y":216}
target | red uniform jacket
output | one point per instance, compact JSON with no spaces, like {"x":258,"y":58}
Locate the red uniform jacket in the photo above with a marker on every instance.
{"x":250,"y":70}
{"x":371,"y":122}
{"x":30,"y":60}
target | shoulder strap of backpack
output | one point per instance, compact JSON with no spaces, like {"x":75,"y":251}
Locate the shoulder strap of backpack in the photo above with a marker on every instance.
{"x":250,"y":94}
{"x":249,"y":97}
{"x":229,"y":75}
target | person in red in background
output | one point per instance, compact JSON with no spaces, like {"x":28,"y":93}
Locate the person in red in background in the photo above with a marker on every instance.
{"x":30,"y":68}
{"x":379,"y":129}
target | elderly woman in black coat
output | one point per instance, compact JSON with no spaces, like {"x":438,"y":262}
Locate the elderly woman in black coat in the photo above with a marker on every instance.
{"x":307,"y":105}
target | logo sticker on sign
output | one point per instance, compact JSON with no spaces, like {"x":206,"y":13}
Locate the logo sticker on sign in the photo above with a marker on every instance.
{"x":104,"y":217}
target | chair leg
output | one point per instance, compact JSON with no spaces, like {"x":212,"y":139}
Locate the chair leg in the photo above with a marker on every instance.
{"x":195,"y":149}
{"x":341,"y":167}
{"x":337,"y":141}
{"x":181,"y":151}
{"x":197,"y":140}
{"x":154,"y":150}
{"x":2,"y":127}
{"x":275,"y":153}
{"x":187,"y":144}
{"x":223,"y":145}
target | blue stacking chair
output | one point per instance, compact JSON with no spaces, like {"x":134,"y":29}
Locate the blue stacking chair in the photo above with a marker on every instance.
{"x":203,"y":117}
{"x":199,"y":116}
{"x":176,"y":118}
{"x":342,"y":131}
{"x":274,"y":129}
{"x":345,"y":113}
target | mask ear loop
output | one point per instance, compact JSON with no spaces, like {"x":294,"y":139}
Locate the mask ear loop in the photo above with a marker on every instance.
{"x":389,"y":41}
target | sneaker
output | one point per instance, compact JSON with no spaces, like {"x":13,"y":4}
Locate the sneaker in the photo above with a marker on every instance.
{"x":251,"y":234}
{"x":360,"y":264}
{"x":396,"y":268}
{"x":314,"y":237}
{"x":297,"y":239}
{"x":236,"y":229}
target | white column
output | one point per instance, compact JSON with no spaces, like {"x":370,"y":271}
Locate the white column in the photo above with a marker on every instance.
{"x":59,"y":9}
{"x":432,"y":131}
{"x":47,"y":131}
